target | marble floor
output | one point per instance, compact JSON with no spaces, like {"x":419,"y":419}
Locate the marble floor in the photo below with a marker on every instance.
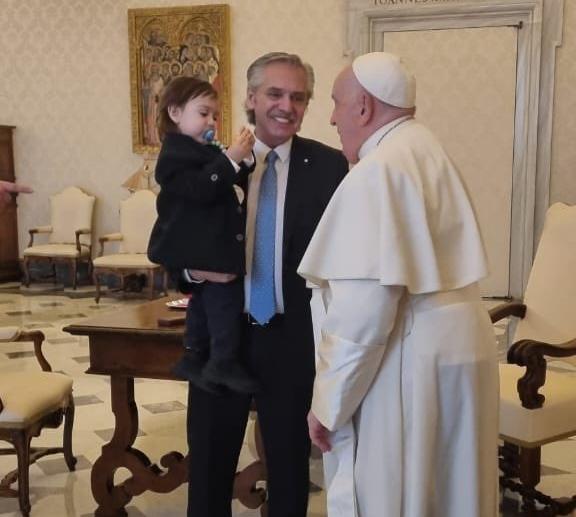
{"x":54,"y":491}
{"x":162,"y":408}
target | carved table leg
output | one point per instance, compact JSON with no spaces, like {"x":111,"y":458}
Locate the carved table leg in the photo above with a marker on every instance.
{"x":112,"y":499}
{"x":119,"y":452}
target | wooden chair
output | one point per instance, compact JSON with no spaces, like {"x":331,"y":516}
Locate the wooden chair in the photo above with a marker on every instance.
{"x":137,"y":217}
{"x":69,"y":234}
{"x":546,"y":328}
{"x":29,"y":402}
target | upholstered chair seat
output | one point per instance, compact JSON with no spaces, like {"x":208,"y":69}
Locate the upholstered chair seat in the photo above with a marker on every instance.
{"x":55,"y":250}
{"x":30,"y":401}
{"x":69,"y":234}
{"x":29,"y":396}
{"x":553,"y":421}
{"x":124,"y":260}
{"x":137,"y":216}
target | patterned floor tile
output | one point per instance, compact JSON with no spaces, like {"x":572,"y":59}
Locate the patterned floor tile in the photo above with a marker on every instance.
{"x":19,"y":355}
{"x":58,"y":465}
{"x":164,"y":407}
{"x":106,"y":434}
{"x":63,"y":340}
{"x":86,"y":400}
{"x":134,"y":511}
{"x":34,"y":326}
{"x":82,"y":359}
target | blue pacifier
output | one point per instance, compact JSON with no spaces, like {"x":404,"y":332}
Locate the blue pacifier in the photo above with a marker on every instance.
{"x":209,"y":135}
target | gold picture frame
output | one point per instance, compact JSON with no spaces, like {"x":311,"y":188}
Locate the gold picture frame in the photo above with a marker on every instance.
{"x":173,"y":41}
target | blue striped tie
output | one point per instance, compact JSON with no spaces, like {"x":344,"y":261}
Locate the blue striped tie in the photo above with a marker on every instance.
{"x":262,"y":296}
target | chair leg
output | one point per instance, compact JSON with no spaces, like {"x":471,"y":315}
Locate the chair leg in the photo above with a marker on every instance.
{"x":74,"y":273}
{"x":96,"y":280}
{"x":26,"y":268}
{"x":164,"y":281}
{"x":529,"y":476}
{"x":67,"y":443}
{"x":22,"y":445}
{"x":508,"y":459}
{"x":150,"y":275}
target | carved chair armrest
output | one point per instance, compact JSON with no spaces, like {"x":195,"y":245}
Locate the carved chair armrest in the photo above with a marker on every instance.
{"x":37,"y":338}
{"x":38,"y":229}
{"x":513,"y":308}
{"x":109,"y":238}
{"x":82,"y":231}
{"x":530,"y":354}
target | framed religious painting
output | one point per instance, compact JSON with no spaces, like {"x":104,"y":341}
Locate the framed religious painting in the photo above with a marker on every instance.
{"x":172,"y":42}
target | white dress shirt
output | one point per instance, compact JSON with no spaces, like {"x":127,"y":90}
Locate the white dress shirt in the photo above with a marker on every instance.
{"x":282,"y":164}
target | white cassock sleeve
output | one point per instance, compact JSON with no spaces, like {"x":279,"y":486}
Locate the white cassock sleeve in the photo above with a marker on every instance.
{"x":360,"y":315}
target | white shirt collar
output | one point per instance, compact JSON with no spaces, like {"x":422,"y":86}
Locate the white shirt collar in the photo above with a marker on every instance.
{"x":283,"y":150}
{"x":374,"y":139}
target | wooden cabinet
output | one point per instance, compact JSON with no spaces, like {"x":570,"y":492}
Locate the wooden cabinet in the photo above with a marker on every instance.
{"x":9,"y":264}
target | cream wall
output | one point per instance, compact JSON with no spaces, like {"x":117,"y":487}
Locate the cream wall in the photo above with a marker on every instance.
{"x":64,"y":82}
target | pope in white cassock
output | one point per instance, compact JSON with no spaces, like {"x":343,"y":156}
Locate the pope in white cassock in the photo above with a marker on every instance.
{"x":405,"y":402}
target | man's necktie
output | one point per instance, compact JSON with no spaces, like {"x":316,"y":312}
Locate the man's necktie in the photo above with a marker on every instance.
{"x":262,"y":296}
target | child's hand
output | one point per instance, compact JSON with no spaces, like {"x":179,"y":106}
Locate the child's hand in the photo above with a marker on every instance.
{"x":242,"y":145}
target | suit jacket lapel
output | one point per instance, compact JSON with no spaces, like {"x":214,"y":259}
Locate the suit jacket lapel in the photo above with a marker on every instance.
{"x":297,"y":173}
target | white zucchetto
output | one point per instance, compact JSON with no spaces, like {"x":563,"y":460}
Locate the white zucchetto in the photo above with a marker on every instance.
{"x":385,"y":76}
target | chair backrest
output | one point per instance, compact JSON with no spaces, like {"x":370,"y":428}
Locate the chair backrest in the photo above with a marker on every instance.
{"x":71,"y":210}
{"x":137,"y":216}
{"x":550,"y":295}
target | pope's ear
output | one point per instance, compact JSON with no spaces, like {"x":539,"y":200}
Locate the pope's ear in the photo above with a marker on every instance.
{"x":366,"y":105}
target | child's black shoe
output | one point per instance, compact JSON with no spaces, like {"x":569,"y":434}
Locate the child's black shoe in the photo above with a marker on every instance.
{"x":189,"y":368}
{"x":230,"y":373}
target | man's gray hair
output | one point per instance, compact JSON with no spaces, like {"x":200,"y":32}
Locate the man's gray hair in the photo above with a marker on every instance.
{"x":255,"y":73}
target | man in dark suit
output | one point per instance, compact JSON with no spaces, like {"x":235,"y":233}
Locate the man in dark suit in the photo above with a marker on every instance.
{"x":287,"y":194}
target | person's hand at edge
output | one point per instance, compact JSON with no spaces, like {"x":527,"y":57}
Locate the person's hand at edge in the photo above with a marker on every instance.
{"x":318,"y":433}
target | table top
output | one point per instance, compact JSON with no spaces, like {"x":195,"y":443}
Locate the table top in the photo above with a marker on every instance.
{"x":147,"y":318}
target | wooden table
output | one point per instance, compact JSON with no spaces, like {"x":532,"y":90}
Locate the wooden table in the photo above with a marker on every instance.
{"x":124,"y":345}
